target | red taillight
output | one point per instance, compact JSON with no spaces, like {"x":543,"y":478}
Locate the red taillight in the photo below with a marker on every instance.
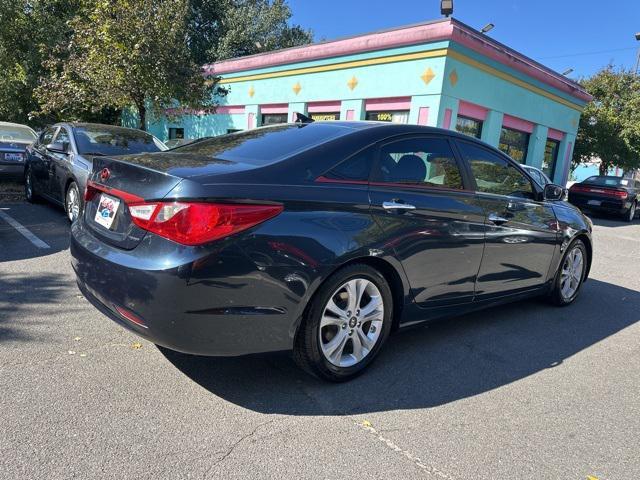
{"x":609,"y":192}
{"x":195,"y":223}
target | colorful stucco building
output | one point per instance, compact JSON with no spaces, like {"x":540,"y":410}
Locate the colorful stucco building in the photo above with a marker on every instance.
{"x":441,"y":73}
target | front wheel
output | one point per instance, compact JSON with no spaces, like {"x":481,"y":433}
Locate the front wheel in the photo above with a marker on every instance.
{"x":570,"y":275}
{"x":73,"y":202}
{"x":346,"y":324}
{"x":29,"y":191}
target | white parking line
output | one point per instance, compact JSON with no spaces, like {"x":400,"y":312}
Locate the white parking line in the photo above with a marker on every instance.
{"x":24,"y":231}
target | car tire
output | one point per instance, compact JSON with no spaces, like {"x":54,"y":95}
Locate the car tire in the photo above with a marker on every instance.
{"x":630,"y":214}
{"x":29,"y":190}
{"x":570,"y":276}
{"x":72,"y":202}
{"x":336,"y":343}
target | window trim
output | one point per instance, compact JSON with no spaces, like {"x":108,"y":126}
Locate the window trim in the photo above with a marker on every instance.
{"x":534,"y":185}
{"x":409,"y":136}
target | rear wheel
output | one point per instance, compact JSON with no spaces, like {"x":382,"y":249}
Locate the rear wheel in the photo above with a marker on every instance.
{"x":72,"y":202}
{"x":570,"y":275}
{"x":346,"y":324}
{"x":631,"y":213}
{"x":29,"y":192}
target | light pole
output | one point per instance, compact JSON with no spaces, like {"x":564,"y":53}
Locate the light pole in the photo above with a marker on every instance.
{"x":487,"y":27}
{"x":638,"y":59}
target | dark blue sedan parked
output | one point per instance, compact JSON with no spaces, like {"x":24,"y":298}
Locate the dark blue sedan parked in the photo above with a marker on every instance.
{"x":321,"y":238}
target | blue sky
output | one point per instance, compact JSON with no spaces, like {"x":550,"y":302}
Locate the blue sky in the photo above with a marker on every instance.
{"x":579,"y":34}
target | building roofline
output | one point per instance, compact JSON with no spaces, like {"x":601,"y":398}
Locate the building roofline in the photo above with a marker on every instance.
{"x":425,"y":32}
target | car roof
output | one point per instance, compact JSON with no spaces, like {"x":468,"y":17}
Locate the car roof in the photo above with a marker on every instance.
{"x":11,"y":124}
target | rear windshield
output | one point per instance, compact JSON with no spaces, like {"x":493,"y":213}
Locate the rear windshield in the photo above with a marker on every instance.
{"x":106,"y":140}
{"x":607,"y":181}
{"x":16,"y":133}
{"x":266,"y":145}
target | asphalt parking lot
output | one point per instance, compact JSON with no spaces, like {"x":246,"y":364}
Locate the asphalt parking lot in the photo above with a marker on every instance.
{"x":519,"y":392}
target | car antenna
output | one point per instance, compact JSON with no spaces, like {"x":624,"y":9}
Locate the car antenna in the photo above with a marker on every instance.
{"x":301,"y":118}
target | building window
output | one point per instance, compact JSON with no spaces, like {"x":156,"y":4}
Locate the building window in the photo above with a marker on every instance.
{"x":514,"y":143}
{"x":469,"y":126}
{"x":176,"y":133}
{"x":274,"y":118}
{"x":550,"y":159}
{"x":394,"y":116}
{"x":324,"y":116}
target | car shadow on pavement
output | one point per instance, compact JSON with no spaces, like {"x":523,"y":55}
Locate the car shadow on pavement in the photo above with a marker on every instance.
{"x":611,"y":221}
{"x":24,"y":291}
{"x":46,"y":221}
{"x":426,"y":367}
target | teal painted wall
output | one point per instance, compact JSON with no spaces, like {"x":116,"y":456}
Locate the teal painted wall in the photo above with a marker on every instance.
{"x":441,"y":94}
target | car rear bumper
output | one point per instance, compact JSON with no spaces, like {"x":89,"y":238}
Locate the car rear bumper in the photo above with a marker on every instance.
{"x":194,"y":300}
{"x":617,"y":207}
{"x":12,"y":170}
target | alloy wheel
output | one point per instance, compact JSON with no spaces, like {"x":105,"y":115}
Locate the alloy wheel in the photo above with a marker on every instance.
{"x":351,"y":322}
{"x":572,"y":273}
{"x":28,"y":186}
{"x":632,"y":213}
{"x":73,"y":203}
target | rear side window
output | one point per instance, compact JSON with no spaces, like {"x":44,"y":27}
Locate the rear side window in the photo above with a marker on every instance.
{"x":262,"y":146}
{"x":355,"y":169}
{"x":419,"y":161}
{"x":493,"y":174}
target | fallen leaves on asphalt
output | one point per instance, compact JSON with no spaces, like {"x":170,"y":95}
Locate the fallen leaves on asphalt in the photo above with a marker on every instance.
{"x":136,"y":346}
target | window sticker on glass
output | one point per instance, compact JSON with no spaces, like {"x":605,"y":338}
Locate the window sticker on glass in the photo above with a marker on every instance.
{"x":107,"y":208}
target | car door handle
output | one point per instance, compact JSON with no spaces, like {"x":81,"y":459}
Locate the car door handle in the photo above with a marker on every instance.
{"x":393,"y":205}
{"x":497,"y":219}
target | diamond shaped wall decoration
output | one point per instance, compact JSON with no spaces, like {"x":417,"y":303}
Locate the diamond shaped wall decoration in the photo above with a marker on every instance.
{"x":453,"y":78}
{"x":252,"y":91}
{"x":427,"y":76}
{"x":296,"y":88}
{"x":353,"y":83}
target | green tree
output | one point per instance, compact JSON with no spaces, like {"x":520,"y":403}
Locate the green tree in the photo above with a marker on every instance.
{"x":30,"y":31}
{"x":125,"y":53}
{"x":610,"y":124}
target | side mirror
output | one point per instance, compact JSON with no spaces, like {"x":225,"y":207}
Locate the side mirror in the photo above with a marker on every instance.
{"x":553,"y":192}
{"x":58,"y":147}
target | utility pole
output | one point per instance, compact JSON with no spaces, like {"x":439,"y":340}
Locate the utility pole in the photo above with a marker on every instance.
{"x":638,"y":57}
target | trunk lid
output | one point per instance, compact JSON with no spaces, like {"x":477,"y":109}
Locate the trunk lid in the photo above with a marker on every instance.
{"x":113,"y":185}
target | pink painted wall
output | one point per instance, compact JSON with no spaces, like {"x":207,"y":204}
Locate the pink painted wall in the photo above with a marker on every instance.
{"x":517,"y":124}
{"x":447,"y":118}
{"x":555,"y":134}
{"x":231,"y":109}
{"x":274,"y":108}
{"x":423,"y":115}
{"x":321,"y":107}
{"x":472,"y":110}
{"x":351,"y":114}
{"x":394,"y":103}
{"x":251,"y":120}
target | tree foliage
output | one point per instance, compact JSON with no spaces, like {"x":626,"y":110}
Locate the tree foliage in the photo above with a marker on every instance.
{"x":610,"y":124}
{"x":90,"y":59}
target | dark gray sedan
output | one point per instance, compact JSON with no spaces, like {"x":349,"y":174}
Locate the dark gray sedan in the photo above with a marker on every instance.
{"x":60,"y":161}
{"x":14,"y":139}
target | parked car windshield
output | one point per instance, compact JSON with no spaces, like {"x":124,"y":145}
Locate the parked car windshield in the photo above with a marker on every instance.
{"x":16,"y":133}
{"x":262,"y":146}
{"x":108,"y":140}
{"x":607,"y":181}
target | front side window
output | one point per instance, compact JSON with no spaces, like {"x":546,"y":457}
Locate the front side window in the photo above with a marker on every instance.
{"x":469,"y":126}
{"x":47,"y":136}
{"x":550,"y":157}
{"x":419,"y":161}
{"x":494,"y":174}
{"x":514,"y":143}
{"x":63,"y":136}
